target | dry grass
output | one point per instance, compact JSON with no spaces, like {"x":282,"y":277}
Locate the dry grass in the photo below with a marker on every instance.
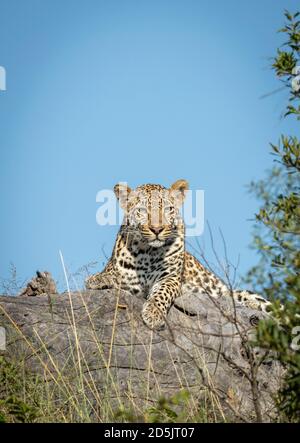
{"x":70,"y":393}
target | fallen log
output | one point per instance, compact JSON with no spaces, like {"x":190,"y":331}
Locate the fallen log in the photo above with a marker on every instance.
{"x":92,"y":348}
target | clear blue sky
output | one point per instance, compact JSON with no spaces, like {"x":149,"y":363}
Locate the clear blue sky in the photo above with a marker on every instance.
{"x":138,"y":91}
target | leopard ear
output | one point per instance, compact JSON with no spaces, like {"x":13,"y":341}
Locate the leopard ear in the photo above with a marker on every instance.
{"x":122,"y":192}
{"x":179,"y":188}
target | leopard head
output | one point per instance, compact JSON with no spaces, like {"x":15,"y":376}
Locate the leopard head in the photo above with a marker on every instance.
{"x":152,"y":212}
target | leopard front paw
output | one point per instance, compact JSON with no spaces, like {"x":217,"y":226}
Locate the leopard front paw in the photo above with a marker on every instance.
{"x":153,"y":317}
{"x":99,"y":281}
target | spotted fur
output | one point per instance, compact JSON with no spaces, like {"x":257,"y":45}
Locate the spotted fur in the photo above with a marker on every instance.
{"x":149,"y":255}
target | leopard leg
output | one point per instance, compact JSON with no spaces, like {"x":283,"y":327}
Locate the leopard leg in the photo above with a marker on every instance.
{"x":101,"y":280}
{"x":252,"y":300}
{"x":215,"y":287}
{"x":160,"y":299}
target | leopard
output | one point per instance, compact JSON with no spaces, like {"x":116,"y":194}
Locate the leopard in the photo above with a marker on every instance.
{"x":150,"y":257}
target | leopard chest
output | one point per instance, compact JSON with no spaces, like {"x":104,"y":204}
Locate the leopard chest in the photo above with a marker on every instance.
{"x":142,"y":267}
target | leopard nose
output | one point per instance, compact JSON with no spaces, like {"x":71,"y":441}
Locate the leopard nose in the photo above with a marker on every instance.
{"x":156,"y":229}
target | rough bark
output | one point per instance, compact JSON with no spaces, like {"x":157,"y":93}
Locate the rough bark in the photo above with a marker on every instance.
{"x":204,"y":349}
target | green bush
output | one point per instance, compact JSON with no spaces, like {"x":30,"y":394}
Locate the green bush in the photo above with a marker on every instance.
{"x":277,"y":235}
{"x":13,"y":392}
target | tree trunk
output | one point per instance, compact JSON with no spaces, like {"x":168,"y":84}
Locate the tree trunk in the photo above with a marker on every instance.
{"x":97,"y":341}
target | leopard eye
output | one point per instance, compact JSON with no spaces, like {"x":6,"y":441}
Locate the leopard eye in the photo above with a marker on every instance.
{"x":169,"y":210}
{"x":140,"y":212}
